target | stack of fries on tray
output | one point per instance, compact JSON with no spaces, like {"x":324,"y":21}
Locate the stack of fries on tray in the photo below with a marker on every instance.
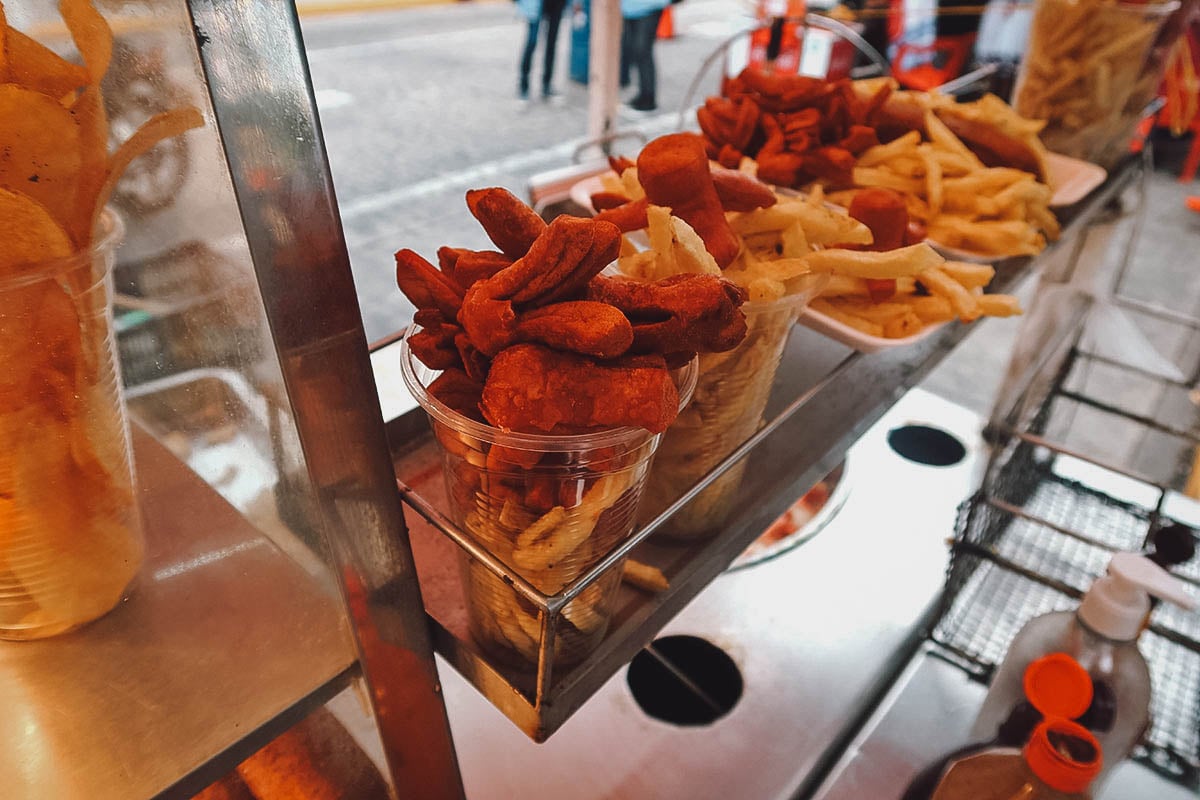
{"x":973,"y":175}
{"x":784,"y":249}
{"x":987,"y":211}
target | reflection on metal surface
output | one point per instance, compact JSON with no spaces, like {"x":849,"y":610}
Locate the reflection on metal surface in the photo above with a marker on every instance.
{"x":258,"y":81}
{"x":220,"y":638}
{"x":834,"y":488}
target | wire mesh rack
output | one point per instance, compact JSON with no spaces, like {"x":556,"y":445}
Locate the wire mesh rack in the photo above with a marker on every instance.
{"x":1030,"y":542}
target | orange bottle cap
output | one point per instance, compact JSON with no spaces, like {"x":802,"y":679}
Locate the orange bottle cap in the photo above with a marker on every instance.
{"x":1058,"y":686}
{"x":1064,"y":755}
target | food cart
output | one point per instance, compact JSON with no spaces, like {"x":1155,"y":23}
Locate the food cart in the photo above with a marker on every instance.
{"x":299,"y":551}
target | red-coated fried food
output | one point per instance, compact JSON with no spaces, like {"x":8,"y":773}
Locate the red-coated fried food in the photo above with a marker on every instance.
{"x":738,"y":191}
{"x":674,"y":172}
{"x":884,"y":212}
{"x":522,"y":330}
{"x":796,"y":128}
{"x":425,"y":285}
{"x":510,"y":224}
{"x":468,"y":266}
{"x":633,"y":215}
{"x":434,"y":346}
{"x":579,"y":326}
{"x":458,"y":391}
{"x":602,"y":201}
{"x":679,"y":314}
{"x":534,"y":389}
{"x":557,"y":267}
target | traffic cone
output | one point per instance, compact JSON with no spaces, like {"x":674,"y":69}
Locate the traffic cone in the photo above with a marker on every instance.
{"x":666,"y":25}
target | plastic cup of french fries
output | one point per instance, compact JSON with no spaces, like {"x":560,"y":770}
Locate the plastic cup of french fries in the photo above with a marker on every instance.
{"x":731,"y":395}
{"x":1084,"y":62}
{"x":70,"y":537}
{"x":550,"y":507}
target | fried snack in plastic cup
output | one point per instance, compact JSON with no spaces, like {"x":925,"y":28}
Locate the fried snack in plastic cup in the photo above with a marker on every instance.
{"x":731,"y":394}
{"x":70,"y":532}
{"x":549,"y":507}
{"x":1084,"y":62}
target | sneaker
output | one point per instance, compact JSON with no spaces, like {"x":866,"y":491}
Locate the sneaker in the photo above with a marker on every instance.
{"x":641,"y":104}
{"x":551,"y":95}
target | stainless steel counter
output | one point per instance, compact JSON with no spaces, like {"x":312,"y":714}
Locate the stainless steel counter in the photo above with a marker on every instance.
{"x":815,"y":633}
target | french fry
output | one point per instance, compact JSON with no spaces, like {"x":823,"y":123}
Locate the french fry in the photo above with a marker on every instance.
{"x":899,"y":263}
{"x":932,"y":309}
{"x":845,"y":286}
{"x":831,"y":310}
{"x":881,"y":313}
{"x":940,"y":134}
{"x":965,"y":304}
{"x":933,"y":180}
{"x":971,"y":276}
{"x":903,"y":326}
{"x":999,"y":305}
{"x":886,"y":179}
{"x":883,"y":153}
{"x":644,"y":576}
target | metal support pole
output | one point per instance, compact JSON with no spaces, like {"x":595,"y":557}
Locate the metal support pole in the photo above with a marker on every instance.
{"x":261,"y":93}
{"x":604,"y":46}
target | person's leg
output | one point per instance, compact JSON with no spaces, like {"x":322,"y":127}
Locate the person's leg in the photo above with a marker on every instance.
{"x":552,"y":12}
{"x":531,"y":37}
{"x":626,"y":40}
{"x":646,"y":29}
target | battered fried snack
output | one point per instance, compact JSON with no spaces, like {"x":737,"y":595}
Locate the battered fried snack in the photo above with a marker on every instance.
{"x":468,"y":266}
{"x":628,"y":217}
{"x":458,"y":391}
{"x":425,"y":285}
{"x":580,"y":326}
{"x":534,"y":389}
{"x":509,"y":223}
{"x":680,"y":314}
{"x":674,"y":172}
{"x":557,"y":267}
{"x":434,"y":345}
{"x":738,"y":191}
{"x":795,"y":128}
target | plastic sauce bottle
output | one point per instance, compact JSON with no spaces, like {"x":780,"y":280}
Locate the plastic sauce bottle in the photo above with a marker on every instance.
{"x":1059,"y":762}
{"x":1056,"y":687}
{"x":1102,"y":636}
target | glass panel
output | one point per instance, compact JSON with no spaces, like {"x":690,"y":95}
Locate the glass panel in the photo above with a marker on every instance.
{"x":234,"y":627}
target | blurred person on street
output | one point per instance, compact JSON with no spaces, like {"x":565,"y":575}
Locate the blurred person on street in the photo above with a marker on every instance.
{"x":639,"y":31}
{"x":538,"y":12}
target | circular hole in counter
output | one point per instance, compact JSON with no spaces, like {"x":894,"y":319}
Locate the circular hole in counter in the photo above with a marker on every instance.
{"x":684,"y":680}
{"x":927,"y":445}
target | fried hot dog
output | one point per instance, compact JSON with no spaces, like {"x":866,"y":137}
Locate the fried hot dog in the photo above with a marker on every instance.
{"x":674,"y":171}
{"x":884,"y":212}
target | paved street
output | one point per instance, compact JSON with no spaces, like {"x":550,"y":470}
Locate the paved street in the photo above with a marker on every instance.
{"x":419,"y":104}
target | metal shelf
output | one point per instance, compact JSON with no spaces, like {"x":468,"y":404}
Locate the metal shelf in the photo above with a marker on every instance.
{"x":825,"y":397}
{"x":224,"y":642}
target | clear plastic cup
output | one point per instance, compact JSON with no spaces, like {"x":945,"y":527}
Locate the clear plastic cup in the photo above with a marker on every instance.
{"x":1085,"y":62}
{"x":549,"y":507}
{"x":731,"y":394}
{"x":70,"y":532}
